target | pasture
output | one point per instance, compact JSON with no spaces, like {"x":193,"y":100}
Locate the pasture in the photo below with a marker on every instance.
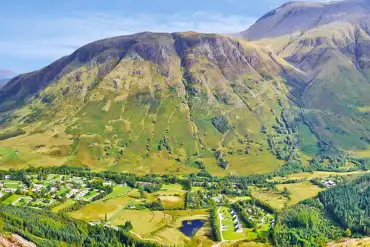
{"x":300,"y":191}
{"x":108,"y":207}
{"x":274,"y":198}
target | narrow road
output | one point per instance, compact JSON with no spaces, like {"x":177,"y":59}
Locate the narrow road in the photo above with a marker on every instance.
{"x":219,"y":216}
{"x":147,"y":239}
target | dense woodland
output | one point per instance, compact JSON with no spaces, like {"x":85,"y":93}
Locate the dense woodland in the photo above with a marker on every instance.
{"x":304,"y":225}
{"x":349,"y":204}
{"x":341,"y":211}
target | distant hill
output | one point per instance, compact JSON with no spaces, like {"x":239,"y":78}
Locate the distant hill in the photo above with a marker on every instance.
{"x":3,"y":81}
{"x":5,"y":76}
{"x":4,"y":73}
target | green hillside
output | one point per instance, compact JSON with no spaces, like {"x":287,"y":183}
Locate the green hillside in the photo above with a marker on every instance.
{"x":160,"y":103}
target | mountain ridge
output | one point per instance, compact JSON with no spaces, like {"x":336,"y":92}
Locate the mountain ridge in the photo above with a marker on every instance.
{"x":135,"y":102}
{"x":297,"y":17}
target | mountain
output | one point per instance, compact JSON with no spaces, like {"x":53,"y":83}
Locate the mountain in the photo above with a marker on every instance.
{"x":329,"y":43}
{"x":181,"y":102}
{"x":154,"y":102}
{"x":295,"y":18}
{"x":4,"y":74}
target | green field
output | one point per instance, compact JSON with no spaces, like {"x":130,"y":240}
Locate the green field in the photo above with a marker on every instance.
{"x":300,"y":191}
{"x":318,"y":174}
{"x":111,"y":207}
{"x":11,"y":199}
{"x":11,"y":184}
{"x":143,"y":221}
{"x":172,"y":188}
{"x":118,"y":191}
{"x":90,"y":195}
{"x":64,"y":205}
{"x":273,"y":198}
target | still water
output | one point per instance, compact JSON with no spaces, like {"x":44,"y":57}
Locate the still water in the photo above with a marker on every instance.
{"x":190,"y":227}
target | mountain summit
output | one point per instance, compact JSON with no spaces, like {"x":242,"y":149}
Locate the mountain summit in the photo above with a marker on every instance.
{"x":299,"y":17}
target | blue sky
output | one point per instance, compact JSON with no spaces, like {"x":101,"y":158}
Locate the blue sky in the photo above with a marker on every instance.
{"x":36,"y":33}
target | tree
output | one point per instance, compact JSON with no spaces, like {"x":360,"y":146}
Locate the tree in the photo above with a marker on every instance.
{"x":348,"y":233}
{"x":128,"y":226}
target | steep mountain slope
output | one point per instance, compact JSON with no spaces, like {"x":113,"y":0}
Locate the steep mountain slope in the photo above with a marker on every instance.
{"x":155,"y":102}
{"x":329,"y":42}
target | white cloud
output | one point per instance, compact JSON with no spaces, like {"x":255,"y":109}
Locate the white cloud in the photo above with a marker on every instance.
{"x":53,"y":38}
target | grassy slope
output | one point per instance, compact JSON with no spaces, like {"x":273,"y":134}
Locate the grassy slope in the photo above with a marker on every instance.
{"x":157,"y":117}
{"x":335,"y":100}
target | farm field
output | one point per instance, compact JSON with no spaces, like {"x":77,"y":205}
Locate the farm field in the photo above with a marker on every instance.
{"x":318,"y":174}
{"x":171,"y":196}
{"x":300,"y":191}
{"x":171,"y":188}
{"x":273,"y":198}
{"x":97,"y":211}
{"x":144,"y":222}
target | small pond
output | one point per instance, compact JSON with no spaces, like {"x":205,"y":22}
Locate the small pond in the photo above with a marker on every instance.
{"x":190,"y":227}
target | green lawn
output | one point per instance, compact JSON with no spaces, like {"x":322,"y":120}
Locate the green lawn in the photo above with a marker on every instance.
{"x":11,"y":184}
{"x":11,"y":199}
{"x":172,"y":187}
{"x":90,"y":194}
{"x":66,"y":204}
{"x":117,"y":191}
